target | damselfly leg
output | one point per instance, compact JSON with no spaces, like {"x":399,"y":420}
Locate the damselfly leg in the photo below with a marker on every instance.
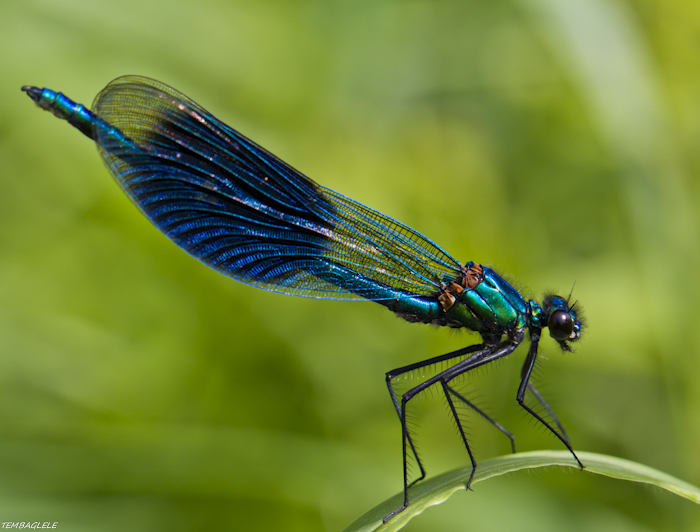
{"x":413,"y":367}
{"x":480,"y":354}
{"x":483,"y":414}
{"x":550,"y":412}
{"x":526,"y":373}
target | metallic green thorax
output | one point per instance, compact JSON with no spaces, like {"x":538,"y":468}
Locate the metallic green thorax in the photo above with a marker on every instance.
{"x":484,"y":302}
{"x":491,"y":306}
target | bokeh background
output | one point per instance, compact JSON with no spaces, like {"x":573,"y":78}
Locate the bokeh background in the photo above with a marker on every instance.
{"x":556,"y":140}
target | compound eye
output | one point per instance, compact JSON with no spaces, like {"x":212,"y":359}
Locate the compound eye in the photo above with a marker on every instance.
{"x":561,"y":325}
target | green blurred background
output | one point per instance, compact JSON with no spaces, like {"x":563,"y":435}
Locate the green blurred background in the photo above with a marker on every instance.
{"x":556,"y":140}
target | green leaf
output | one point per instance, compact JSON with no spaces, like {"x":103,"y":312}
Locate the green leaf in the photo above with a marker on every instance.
{"x":438,"y":489}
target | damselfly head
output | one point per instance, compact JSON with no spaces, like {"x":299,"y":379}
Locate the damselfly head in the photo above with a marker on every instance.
{"x":563,"y":320}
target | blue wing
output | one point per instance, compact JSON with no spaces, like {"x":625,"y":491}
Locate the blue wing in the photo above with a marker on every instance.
{"x":246,"y":213}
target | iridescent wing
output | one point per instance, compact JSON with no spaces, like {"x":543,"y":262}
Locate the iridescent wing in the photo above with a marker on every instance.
{"x":246,"y":213}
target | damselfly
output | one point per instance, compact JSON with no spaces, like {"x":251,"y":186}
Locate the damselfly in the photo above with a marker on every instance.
{"x":249,"y":215}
